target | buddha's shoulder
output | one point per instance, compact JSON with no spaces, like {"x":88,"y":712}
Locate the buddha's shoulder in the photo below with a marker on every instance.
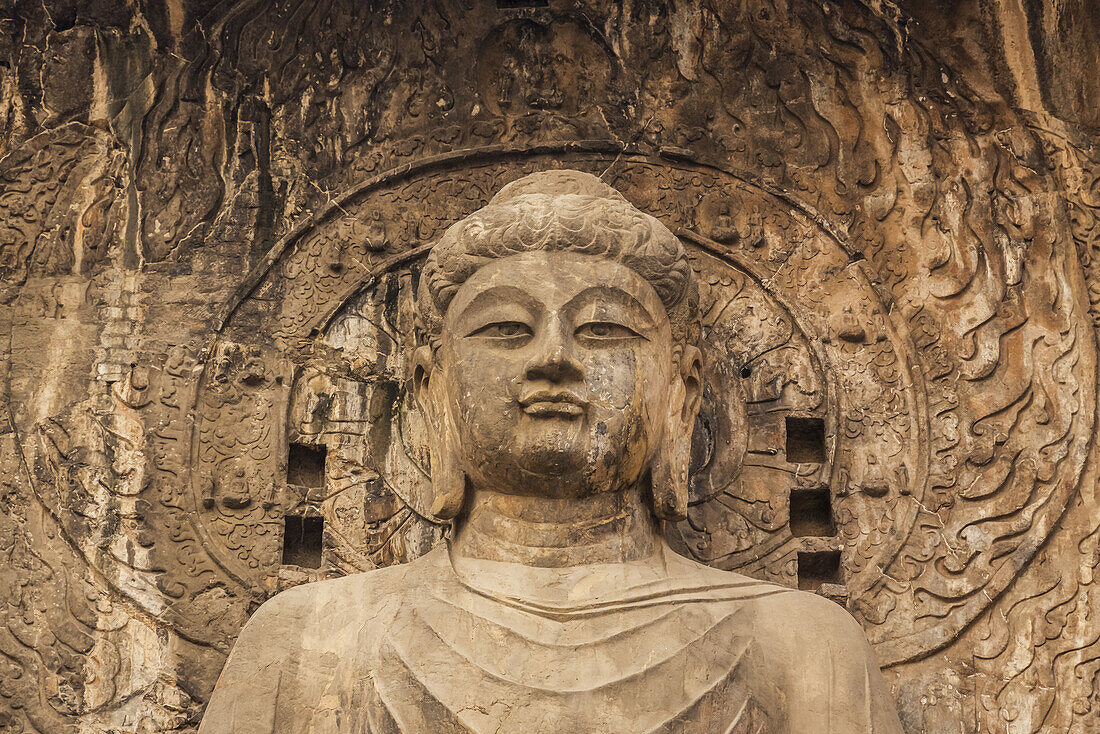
{"x":345,"y":600}
{"x":780,"y":612}
{"x":688,"y":571}
{"x":802,"y":625}
{"x":803,"y":608}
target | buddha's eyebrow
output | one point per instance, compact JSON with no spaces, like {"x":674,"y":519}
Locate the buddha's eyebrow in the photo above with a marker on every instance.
{"x":619,"y":297}
{"x":496,"y":295}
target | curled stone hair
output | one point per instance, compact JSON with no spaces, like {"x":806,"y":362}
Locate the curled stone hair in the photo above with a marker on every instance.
{"x":560,"y":211}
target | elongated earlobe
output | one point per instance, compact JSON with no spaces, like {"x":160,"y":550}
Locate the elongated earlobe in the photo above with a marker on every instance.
{"x":669,"y":473}
{"x":669,"y":469}
{"x":448,"y":479}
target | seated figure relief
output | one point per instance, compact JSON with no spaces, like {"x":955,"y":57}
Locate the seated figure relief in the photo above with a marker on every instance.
{"x":558,"y":375}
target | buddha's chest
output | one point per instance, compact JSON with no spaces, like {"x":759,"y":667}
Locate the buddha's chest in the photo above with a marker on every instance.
{"x":442,"y":667}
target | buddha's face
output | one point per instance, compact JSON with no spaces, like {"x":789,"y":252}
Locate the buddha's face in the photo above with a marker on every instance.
{"x":557,"y":371}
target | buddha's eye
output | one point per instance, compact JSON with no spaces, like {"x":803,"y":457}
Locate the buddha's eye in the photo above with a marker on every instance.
{"x":511,"y":332}
{"x":605,"y":331}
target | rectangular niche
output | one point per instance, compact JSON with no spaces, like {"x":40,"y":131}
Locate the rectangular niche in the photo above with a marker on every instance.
{"x":517,"y":4}
{"x":805,"y":440}
{"x":818,"y":567}
{"x":305,"y":465}
{"x":812,"y":513}
{"x":303,"y":537}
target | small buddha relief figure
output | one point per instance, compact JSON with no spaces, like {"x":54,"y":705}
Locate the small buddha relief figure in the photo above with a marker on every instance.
{"x":558,"y":373}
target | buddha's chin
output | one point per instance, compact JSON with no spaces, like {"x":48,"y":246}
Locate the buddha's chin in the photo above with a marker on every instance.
{"x":549,"y":466}
{"x":565,"y":474}
{"x":549,"y":458}
{"x":554,"y":456}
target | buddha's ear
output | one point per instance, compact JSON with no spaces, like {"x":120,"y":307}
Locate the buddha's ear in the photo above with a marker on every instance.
{"x":669,"y":471}
{"x":448,"y":479}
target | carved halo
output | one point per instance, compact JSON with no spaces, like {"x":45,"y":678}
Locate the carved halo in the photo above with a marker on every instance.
{"x":820,"y":395}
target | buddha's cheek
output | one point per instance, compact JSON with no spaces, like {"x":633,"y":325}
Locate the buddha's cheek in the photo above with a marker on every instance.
{"x":487,"y":428}
{"x":485,"y":413}
{"x":612,"y":380}
{"x":618,"y":428}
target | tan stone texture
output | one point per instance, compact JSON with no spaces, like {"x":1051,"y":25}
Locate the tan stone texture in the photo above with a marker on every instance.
{"x":215,"y":217}
{"x":556,"y":366}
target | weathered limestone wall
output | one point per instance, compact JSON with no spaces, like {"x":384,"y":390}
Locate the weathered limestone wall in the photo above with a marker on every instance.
{"x":213,"y":212}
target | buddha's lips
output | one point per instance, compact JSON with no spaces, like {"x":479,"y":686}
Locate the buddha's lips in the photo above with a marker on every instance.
{"x":553,"y":403}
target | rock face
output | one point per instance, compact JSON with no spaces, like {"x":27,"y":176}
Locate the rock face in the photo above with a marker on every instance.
{"x":216,"y":215}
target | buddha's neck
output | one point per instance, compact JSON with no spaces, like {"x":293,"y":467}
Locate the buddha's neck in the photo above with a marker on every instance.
{"x":611,"y":527}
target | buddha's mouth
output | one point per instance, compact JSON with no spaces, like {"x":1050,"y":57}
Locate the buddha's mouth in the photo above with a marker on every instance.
{"x":551,"y":403}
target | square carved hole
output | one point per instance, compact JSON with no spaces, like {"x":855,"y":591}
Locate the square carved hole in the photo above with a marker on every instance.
{"x":305,"y":465}
{"x":812,"y":513}
{"x":805,"y":440}
{"x":302,"y":540}
{"x":817,"y":568}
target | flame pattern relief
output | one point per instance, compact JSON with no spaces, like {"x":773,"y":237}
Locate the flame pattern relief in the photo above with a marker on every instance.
{"x":209,"y":252}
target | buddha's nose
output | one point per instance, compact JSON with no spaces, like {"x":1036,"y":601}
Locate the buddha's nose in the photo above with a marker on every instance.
{"x":554,"y":360}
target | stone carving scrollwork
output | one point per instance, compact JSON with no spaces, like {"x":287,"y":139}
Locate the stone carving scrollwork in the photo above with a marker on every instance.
{"x":206,"y":270}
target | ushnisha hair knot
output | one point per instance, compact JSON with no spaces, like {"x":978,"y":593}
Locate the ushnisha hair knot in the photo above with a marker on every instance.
{"x":560,"y":211}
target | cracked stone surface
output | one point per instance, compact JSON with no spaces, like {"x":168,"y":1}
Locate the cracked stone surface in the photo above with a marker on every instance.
{"x":216,"y":217}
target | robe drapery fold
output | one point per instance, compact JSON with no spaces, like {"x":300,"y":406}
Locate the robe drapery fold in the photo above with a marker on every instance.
{"x":666,"y":645}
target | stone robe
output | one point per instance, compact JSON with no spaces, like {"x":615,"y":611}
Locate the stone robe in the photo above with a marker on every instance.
{"x":664,"y":645}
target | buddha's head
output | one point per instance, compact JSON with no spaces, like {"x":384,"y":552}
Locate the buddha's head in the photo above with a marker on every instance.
{"x":556,"y":328}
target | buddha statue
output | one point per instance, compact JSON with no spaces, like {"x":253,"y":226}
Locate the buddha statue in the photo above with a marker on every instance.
{"x":557,"y":371}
